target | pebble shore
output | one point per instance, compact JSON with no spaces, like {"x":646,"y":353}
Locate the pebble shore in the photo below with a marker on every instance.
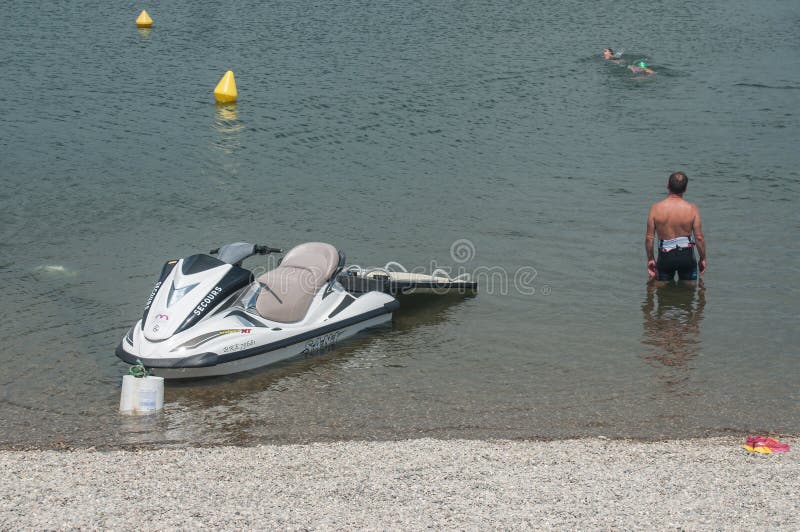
{"x":442,"y":484}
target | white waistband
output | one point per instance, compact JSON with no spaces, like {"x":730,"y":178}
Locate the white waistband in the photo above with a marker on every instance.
{"x":673,"y":243}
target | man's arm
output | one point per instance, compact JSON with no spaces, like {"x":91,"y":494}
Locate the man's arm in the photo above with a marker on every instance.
{"x":699,"y":239}
{"x":649,"y":236}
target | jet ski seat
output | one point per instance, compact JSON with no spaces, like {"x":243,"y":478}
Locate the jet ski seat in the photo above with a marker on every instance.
{"x":287,"y":291}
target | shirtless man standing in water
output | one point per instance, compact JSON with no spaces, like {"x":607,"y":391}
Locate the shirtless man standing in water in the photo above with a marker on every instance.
{"x":675,"y":220}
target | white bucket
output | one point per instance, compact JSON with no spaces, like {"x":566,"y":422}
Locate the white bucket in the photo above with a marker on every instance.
{"x":141,"y":395}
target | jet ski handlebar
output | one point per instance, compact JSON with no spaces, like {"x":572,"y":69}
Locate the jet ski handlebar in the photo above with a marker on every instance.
{"x":265,"y":250}
{"x":257,"y":250}
{"x":236,"y":252}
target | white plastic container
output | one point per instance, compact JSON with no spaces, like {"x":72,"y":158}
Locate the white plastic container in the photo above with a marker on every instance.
{"x":141,"y":395}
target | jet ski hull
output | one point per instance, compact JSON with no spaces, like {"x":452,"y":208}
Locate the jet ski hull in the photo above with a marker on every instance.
{"x":245,"y":353}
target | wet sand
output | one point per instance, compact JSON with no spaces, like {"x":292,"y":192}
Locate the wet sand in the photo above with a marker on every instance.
{"x":596,"y":483}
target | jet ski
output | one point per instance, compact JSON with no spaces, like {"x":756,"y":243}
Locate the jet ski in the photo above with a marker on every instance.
{"x":209,"y":316}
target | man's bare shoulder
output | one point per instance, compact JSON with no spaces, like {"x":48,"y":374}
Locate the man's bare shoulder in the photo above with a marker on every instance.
{"x":657,"y":206}
{"x":675,"y":203}
{"x":691,"y":207}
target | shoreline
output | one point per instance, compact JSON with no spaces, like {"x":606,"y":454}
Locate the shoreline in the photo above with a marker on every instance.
{"x":599,"y":483}
{"x":63,"y":445}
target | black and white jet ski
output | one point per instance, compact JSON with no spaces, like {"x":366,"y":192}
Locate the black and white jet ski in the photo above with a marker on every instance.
{"x":209,"y":316}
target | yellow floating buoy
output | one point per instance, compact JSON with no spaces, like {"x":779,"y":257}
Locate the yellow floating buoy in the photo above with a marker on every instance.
{"x":226,"y":88}
{"x":144,"y":20}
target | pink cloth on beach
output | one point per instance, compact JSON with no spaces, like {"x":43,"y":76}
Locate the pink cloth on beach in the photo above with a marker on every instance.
{"x":765,"y":445}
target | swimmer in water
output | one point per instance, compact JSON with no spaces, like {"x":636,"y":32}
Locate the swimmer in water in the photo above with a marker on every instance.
{"x":609,"y":55}
{"x":641,"y":69}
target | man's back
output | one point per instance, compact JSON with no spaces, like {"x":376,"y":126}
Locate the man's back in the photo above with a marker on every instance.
{"x":674,"y":217}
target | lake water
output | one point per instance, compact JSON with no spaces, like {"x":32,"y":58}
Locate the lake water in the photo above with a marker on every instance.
{"x":487,"y":136}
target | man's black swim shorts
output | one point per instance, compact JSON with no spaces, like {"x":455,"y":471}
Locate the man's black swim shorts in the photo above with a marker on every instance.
{"x":679,"y":260}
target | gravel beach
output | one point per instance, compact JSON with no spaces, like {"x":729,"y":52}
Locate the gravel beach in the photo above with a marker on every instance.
{"x":415,"y":484}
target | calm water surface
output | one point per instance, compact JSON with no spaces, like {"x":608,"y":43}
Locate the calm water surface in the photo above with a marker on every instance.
{"x":393,"y":130}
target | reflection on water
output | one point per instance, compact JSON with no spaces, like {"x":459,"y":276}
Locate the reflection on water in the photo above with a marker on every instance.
{"x":425,"y":309}
{"x":672,"y":316}
{"x":226,"y":123}
{"x":142,"y":430}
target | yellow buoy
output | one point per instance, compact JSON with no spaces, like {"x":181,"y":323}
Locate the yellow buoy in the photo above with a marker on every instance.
{"x":226,"y":88}
{"x":144,"y":20}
